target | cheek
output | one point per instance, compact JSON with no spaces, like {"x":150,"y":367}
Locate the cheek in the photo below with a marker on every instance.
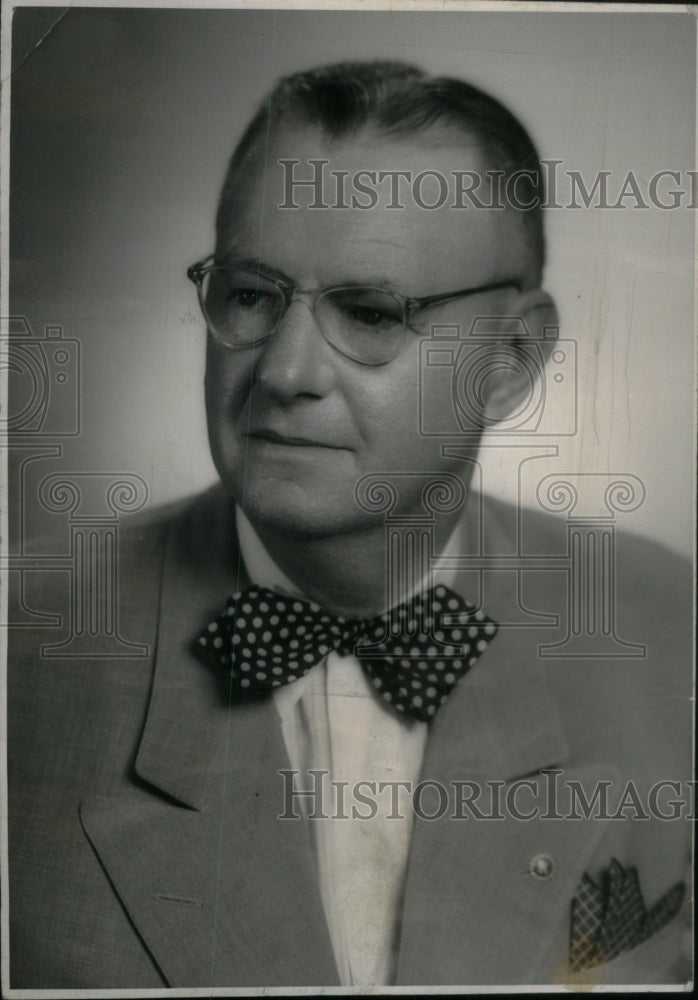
{"x":227,"y":373}
{"x":226,"y":382}
{"x":386,"y":403}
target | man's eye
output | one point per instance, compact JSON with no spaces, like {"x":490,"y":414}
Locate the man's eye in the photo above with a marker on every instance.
{"x":245,"y":298}
{"x":367,"y":311}
{"x":370,"y":316}
{"x":248,"y":298}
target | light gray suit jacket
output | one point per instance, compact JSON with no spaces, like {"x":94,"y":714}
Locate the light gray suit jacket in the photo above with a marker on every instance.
{"x":145,"y":848}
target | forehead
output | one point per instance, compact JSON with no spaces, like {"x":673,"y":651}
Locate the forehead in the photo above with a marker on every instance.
{"x":377,"y":207}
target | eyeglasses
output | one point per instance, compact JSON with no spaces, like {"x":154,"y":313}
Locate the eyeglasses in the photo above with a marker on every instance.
{"x":243,"y":306}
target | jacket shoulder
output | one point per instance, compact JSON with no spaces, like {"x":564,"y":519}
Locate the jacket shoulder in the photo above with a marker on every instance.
{"x":648,"y":569}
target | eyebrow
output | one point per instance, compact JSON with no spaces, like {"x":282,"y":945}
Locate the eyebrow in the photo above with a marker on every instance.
{"x":252,"y":264}
{"x":376,"y":281}
{"x":255,"y":264}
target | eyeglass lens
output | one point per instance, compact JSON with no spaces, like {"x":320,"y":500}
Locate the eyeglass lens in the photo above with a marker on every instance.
{"x":243,"y":308}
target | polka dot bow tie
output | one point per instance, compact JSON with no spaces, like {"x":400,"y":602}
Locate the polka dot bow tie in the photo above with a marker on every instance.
{"x":266,"y":639}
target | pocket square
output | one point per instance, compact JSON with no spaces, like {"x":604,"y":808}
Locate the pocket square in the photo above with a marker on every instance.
{"x":611,"y":917}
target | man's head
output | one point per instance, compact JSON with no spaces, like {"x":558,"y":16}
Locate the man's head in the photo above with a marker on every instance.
{"x":296,"y":420}
{"x":399,"y":100}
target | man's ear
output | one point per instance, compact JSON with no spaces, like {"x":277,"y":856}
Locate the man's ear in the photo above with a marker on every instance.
{"x":523,"y":353}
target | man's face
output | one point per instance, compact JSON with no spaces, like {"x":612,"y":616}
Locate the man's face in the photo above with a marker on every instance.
{"x":293,"y":424}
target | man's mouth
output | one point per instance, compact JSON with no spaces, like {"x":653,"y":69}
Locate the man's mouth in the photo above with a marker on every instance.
{"x":291,"y":440}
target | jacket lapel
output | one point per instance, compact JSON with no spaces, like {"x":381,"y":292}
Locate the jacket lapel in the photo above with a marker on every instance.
{"x":225,"y":894}
{"x":221,"y":891}
{"x":471,"y":894}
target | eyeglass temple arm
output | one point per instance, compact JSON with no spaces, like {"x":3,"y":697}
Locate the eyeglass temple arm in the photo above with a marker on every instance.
{"x":432,"y":300}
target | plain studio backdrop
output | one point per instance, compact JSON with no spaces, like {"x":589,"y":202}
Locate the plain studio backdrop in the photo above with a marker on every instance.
{"x":123,"y":122}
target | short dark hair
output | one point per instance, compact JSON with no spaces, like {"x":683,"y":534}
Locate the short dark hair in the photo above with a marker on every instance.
{"x":401,"y":99}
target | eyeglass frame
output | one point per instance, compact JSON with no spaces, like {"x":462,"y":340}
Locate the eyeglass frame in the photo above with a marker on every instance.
{"x":289,"y":289}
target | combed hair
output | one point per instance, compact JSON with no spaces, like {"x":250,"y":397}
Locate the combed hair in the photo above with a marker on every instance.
{"x":400,"y":99}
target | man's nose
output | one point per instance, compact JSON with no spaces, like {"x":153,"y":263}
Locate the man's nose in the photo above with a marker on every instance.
{"x":295,"y":362}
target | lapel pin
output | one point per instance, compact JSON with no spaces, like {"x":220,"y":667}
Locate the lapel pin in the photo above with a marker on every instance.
{"x":541,"y":866}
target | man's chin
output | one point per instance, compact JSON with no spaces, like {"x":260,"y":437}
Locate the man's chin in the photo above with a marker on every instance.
{"x":288,"y":507}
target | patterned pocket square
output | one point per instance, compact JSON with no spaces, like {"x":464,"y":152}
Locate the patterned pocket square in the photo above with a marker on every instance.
{"x":610,"y":918}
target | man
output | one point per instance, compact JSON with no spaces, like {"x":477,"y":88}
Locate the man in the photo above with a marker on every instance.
{"x":179,"y":821}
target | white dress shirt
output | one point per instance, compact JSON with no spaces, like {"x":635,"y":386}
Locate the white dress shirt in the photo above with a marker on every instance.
{"x":332,"y":721}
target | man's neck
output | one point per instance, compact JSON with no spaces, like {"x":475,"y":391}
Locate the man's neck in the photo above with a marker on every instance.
{"x":345,"y":574}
